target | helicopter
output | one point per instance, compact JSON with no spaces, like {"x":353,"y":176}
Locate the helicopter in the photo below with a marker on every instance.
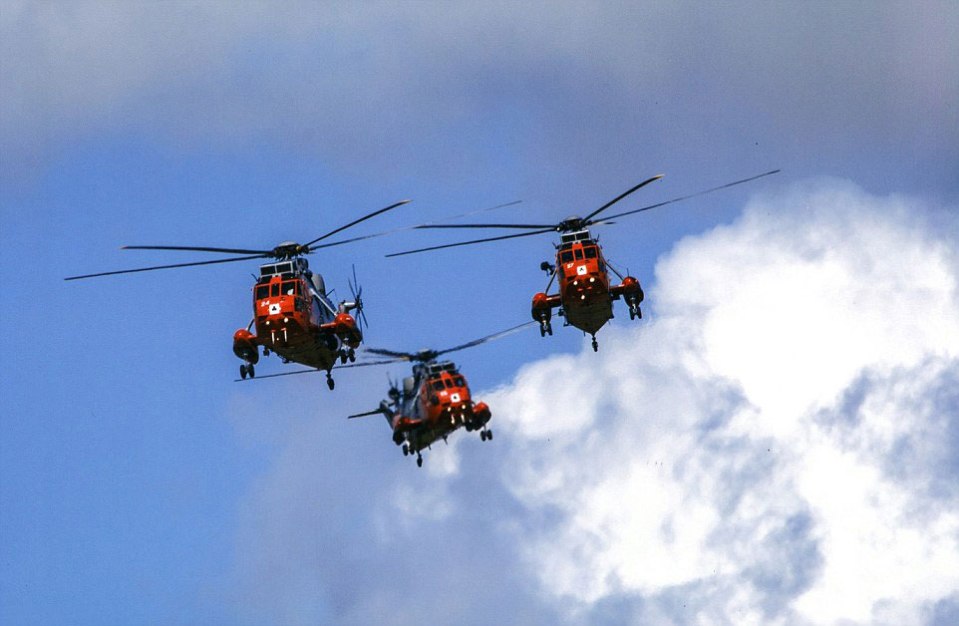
{"x":434,"y":401}
{"x":293,"y":314}
{"x":586,"y":293}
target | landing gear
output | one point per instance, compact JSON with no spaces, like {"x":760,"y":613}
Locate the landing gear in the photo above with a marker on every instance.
{"x":347,"y":355}
{"x":406,"y":450}
{"x":595,"y":344}
{"x":329,"y":381}
{"x":247,"y":370}
{"x":419,"y":460}
{"x":243,"y":371}
{"x":486,"y":434}
{"x":545,"y":328}
{"x":635,"y":311}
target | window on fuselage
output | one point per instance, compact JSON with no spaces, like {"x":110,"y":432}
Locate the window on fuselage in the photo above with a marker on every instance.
{"x":579,"y":254}
{"x":262,"y":291}
{"x":275,"y":289}
{"x":437,"y":385}
{"x":289,"y":288}
{"x":449,"y":383}
{"x":459,"y":382}
{"x":590,"y":252}
{"x":566,"y":257}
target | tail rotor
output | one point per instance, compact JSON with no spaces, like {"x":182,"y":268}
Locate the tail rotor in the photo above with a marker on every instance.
{"x":357,"y":292}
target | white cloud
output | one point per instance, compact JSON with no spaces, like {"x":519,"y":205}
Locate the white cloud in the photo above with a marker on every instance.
{"x":775,"y":444}
{"x":772,"y":443}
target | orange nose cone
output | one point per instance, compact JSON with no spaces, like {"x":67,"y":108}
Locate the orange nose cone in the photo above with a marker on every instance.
{"x":244,"y":345}
{"x":242,"y":335}
{"x":345,"y":326}
{"x":481,"y":412}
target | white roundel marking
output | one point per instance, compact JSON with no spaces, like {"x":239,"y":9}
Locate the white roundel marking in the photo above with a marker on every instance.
{"x":274,"y":308}
{"x":581,"y":270}
{"x":455,"y":397}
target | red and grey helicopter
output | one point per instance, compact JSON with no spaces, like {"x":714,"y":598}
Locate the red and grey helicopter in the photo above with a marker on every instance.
{"x":293,"y":314}
{"x":586,"y":293}
{"x":434,"y":401}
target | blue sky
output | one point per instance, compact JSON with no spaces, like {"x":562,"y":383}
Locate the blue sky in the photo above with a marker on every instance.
{"x":775,"y":443}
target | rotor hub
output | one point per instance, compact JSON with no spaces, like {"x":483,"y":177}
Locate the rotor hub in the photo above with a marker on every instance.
{"x":289,"y":250}
{"x":573,"y":222}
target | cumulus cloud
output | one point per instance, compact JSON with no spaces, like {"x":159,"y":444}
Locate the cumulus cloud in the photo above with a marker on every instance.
{"x":776,"y":444}
{"x":771,"y":447}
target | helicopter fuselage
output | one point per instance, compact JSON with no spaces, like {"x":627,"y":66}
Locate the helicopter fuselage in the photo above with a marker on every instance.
{"x":434,"y":402}
{"x":294,"y":318}
{"x":585,"y":292}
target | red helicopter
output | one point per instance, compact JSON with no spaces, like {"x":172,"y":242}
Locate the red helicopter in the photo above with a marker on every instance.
{"x":434,"y":401}
{"x":586,"y":293}
{"x":292,"y":312}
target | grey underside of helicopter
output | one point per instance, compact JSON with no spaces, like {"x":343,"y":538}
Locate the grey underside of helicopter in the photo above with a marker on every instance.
{"x":589,"y":317}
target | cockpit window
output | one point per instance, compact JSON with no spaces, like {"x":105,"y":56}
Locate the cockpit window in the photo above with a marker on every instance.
{"x":437,"y":385}
{"x":449,"y":383}
{"x":275,"y":289}
{"x":567,"y":256}
{"x":590,"y":252}
{"x":289,"y":288}
{"x":262,"y":291}
{"x":579,"y":254}
{"x":459,"y":382}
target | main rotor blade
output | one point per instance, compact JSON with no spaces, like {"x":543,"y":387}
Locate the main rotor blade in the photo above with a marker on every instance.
{"x":621,"y":196}
{"x":316,"y":371}
{"x":466,"y":243}
{"x":397,"y":230}
{"x":355,"y":222}
{"x":525,"y":226}
{"x":200,"y":249}
{"x":476,"y":342}
{"x":402,"y":356}
{"x":165,"y":267}
{"x":373,"y":412}
{"x":692,"y":195}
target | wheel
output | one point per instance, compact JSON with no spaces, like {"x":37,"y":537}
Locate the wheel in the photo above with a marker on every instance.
{"x":595,"y":345}
{"x":243,"y":372}
{"x":330,"y":383}
{"x":250,"y":370}
{"x":419,"y":461}
{"x":352,"y":356}
{"x":542,"y":331}
{"x":489,"y":435}
{"x":406,"y":450}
